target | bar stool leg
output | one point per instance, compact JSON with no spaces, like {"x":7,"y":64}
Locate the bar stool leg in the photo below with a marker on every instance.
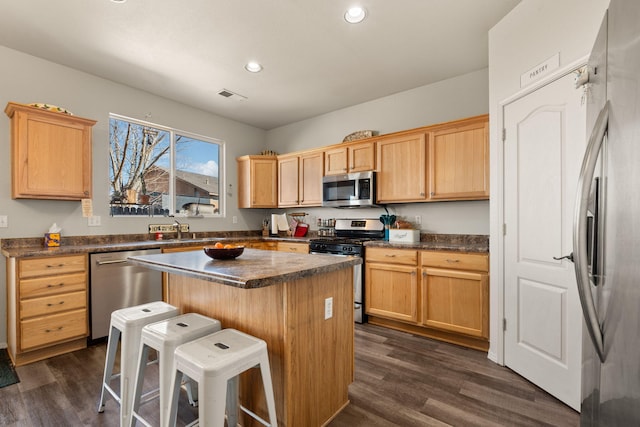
{"x":211,"y":413}
{"x":176,"y":379}
{"x":109,"y":361}
{"x":232,"y":401}
{"x":265,"y":371}
{"x":137,"y":395}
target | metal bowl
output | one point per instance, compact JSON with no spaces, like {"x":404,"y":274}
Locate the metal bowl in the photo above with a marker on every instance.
{"x":222,"y":253}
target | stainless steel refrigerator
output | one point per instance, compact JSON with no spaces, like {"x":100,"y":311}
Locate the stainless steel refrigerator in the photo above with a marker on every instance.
{"x":607,"y":224}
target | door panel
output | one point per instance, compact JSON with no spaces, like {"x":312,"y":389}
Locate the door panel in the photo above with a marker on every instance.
{"x":545,"y":140}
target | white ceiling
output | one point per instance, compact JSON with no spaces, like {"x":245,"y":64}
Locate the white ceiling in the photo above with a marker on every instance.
{"x":314,"y":62}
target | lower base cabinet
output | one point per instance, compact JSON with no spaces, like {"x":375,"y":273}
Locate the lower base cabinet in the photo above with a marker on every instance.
{"x":448,"y":300}
{"x":47,"y":307}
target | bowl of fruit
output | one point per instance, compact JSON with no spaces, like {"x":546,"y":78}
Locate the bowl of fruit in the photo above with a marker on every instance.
{"x":223,"y":251}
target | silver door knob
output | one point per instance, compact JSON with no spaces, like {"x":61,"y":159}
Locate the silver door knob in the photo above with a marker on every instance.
{"x":569,"y":257}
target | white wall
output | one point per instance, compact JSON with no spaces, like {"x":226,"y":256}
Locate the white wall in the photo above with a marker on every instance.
{"x":451,"y":99}
{"x":532,"y":32}
{"x":26,"y":79}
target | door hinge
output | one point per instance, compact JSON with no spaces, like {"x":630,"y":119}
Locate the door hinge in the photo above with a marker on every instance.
{"x":504,"y":229}
{"x":504,"y":134}
{"x":504,"y":324}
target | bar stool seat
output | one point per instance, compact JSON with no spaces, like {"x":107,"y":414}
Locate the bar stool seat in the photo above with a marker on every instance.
{"x":164,"y":337}
{"x":215,"y":361}
{"x":126,"y":326}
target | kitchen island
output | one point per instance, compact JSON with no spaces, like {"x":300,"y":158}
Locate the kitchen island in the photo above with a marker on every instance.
{"x":280,"y":298}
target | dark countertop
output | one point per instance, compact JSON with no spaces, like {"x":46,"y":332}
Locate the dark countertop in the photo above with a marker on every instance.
{"x":432,"y":246}
{"x":34,"y":247}
{"x":253,"y":269}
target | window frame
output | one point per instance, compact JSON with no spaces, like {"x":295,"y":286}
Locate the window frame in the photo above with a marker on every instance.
{"x":173,"y":133}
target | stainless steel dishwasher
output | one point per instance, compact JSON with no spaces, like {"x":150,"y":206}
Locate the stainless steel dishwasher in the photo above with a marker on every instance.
{"x":117,"y":283}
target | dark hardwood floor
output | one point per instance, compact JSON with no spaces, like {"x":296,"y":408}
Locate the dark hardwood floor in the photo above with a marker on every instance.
{"x":401,"y":380}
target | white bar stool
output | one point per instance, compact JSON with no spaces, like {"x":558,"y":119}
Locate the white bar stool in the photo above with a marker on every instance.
{"x":126,"y":326}
{"x":164,"y":337}
{"x":215,"y":361}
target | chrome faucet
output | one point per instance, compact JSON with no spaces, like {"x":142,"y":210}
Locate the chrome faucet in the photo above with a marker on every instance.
{"x":178,"y":227}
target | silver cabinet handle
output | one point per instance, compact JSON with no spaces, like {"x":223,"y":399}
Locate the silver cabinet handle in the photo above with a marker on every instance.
{"x":580,"y":230}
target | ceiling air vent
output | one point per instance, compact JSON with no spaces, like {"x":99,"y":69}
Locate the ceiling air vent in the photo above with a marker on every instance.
{"x":231,"y":95}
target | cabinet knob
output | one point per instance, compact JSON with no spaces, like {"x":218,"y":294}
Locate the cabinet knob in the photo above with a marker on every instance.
{"x":433,"y":193}
{"x":421,"y":194}
{"x":86,"y":192}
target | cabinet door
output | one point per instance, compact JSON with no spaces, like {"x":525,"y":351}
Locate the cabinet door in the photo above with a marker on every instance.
{"x":287,"y":181}
{"x":362,"y":157}
{"x":391,"y":291}
{"x":310,"y":185}
{"x":401,"y":165}
{"x":459,"y":162}
{"x":456,"y":301}
{"x":51,"y":154}
{"x":257,"y":182}
{"x":335,"y":161}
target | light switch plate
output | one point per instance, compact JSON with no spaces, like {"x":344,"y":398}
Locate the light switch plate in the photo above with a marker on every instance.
{"x":93,"y":221}
{"x":4,"y":221}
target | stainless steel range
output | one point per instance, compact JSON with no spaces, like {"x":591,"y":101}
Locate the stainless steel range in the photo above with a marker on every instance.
{"x":350,"y":234}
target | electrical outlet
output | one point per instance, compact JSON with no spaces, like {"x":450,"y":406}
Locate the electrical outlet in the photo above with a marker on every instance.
{"x":234,"y":219}
{"x":418,"y":219}
{"x":328,"y":308}
{"x":4,"y":221}
{"x":93,"y":221}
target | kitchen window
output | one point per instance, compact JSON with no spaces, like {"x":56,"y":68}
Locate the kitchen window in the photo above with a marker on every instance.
{"x":155,"y":170}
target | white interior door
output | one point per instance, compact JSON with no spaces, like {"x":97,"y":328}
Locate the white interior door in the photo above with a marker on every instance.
{"x":543,"y":149}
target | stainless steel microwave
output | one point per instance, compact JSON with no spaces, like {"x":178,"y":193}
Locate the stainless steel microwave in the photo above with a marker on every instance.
{"x":351,"y":190}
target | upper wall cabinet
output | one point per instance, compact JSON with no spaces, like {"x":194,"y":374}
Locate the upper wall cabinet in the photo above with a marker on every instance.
{"x":257,"y":182}
{"x":300,"y":179}
{"x":355,"y":157}
{"x":459,"y":160}
{"x":402,"y":168}
{"x":50,"y":154}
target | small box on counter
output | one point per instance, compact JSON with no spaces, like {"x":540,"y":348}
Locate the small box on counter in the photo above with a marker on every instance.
{"x":51,"y":240}
{"x":403,"y":235}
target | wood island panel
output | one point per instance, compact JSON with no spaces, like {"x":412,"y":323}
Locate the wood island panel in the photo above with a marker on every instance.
{"x":311,"y":358}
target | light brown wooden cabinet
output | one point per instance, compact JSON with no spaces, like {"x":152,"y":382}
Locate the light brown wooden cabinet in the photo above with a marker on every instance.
{"x":300,"y":179}
{"x":257,"y":182}
{"x":391,"y":284}
{"x":47,"y":307}
{"x":448,"y":301}
{"x":459,"y":161}
{"x":354,"y":157}
{"x":50,"y":154}
{"x":402,"y":168}
{"x":455,"y":292}
{"x":295,"y":247}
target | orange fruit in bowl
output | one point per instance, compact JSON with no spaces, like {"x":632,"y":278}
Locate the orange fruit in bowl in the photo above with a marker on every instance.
{"x":218,"y":245}
{"x":229,"y":246}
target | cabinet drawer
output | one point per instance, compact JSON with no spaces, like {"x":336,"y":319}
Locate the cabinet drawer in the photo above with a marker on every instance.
{"x":42,"y":286}
{"x":52,"y":304}
{"x":391,"y":256}
{"x":301,"y":248}
{"x":51,"y":265}
{"x":455,"y":260}
{"x":47,"y":330}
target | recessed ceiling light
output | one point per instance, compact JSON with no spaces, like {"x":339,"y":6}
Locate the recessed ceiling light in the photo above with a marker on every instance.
{"x":355,"y":15}
{"x":253,"y":67}
{"x":118,"y":1}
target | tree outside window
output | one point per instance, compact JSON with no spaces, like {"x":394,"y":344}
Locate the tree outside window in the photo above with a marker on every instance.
{"x":155,"y":171}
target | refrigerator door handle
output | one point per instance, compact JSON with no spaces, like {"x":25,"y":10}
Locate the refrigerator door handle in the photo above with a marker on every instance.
{"x":580,"y":230}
